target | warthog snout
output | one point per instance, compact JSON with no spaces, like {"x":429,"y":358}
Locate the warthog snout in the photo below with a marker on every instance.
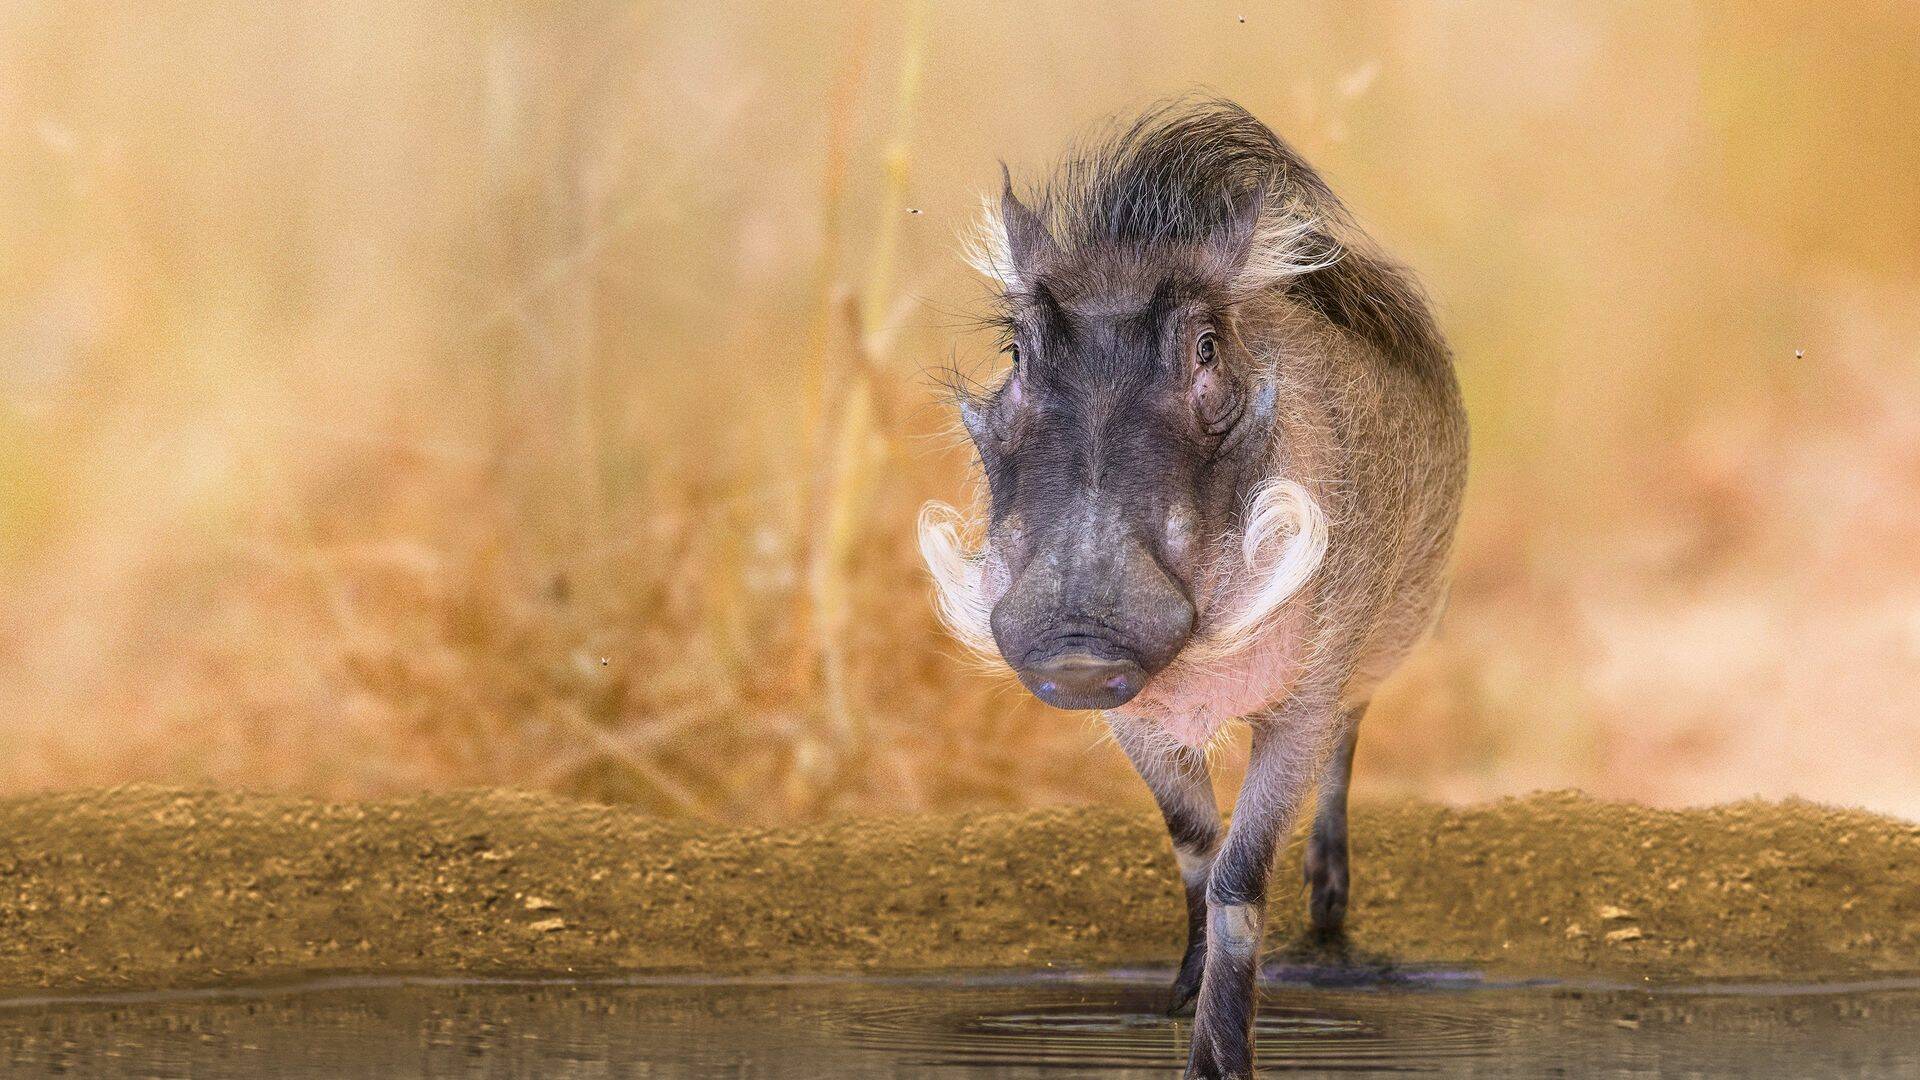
{"x":1091,"y":617}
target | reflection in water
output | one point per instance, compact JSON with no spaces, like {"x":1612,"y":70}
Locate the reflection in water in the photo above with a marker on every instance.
{"x":1008,"y":1027}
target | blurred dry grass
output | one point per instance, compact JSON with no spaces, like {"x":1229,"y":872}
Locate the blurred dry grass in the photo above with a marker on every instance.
{"x":533,"y":394}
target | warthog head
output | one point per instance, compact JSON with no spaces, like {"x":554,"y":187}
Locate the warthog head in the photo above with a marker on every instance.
{"x":1128,"y":450}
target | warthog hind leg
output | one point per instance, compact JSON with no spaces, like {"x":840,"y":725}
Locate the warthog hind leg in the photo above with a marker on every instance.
{"x":1325,"y":864}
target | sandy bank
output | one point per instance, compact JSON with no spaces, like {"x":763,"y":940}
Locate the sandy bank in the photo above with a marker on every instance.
{"x":149,"y":887}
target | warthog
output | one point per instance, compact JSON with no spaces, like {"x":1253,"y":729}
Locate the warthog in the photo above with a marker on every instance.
{"x":1223,"y":471}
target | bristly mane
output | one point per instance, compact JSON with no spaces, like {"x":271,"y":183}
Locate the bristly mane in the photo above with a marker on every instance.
{"x":1175,"y":176}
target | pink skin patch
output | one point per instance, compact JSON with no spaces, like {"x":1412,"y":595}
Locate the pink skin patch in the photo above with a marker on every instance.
{"x":1192,"y":702}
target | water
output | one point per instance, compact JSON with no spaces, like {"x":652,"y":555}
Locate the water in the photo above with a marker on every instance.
{"x":1007,"y":1027}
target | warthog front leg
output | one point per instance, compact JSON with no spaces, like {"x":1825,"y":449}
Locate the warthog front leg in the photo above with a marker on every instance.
{"x":1178,"y":777}
{"x":1325,"y":863}
{"x":1287,"y":750}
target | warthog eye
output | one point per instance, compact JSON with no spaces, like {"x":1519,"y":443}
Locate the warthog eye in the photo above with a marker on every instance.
{"x":1215,"y":403}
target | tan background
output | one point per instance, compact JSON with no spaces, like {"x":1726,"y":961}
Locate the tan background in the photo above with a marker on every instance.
{"x":400,"y":396}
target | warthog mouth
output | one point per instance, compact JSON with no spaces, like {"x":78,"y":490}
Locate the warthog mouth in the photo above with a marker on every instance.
{"x":1282,"y":545}
{"x":1081,"y":680}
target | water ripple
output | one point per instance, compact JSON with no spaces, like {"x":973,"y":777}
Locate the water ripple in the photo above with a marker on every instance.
{"x":1123,"y":1028}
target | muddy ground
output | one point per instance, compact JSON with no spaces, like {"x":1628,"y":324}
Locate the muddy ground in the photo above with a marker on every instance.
{"x":148,"y":888}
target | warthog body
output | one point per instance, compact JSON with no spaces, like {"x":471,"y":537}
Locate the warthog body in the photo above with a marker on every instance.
{"x":1223,"y":473}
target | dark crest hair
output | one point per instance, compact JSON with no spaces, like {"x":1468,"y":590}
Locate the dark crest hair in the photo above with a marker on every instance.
{"x":1186,"y":171}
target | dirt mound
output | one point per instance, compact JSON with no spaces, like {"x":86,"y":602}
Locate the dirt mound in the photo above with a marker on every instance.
{"x":150,"y":887}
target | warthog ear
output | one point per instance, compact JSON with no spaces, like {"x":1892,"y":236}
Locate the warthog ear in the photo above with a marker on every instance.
{"x":1231,"y":244}
{"x":1029,"y":245}
{"x":1270,"y":237}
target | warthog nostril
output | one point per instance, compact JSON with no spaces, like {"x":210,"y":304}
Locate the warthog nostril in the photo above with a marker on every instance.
{"x":1081,"y":680}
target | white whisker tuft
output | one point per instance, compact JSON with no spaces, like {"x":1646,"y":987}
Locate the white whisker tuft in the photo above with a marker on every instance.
{"x":1284,"y":542}
{"x":958,"y":570}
